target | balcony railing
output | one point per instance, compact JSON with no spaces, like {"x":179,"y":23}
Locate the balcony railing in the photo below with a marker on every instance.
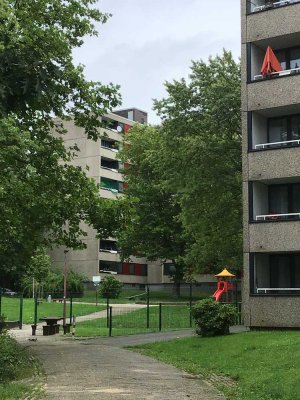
{"x":265,"y":290}
{"x":270,"y":5}
{"x":277,"y":74}
{"x":277,"y":144}
{"x":274,"y":217}
{"x":110,"y":148}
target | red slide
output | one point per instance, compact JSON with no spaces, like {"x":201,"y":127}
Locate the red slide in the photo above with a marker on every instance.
{"x":222,"y":287}
{"x":218,"y":294}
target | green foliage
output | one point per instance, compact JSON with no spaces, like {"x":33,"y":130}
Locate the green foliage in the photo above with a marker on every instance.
{"x":43,"y":197}
{"x":54,"y":283}
{"x":213,"y":318}
{"x":110,"y":288}
{"x":151,"y":227}
{"x":2,"y":324}
{"x":13,"y":359}
{"x":201,"y":161}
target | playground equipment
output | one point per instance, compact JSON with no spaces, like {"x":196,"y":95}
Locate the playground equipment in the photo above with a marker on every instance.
{"x":224,"y":284}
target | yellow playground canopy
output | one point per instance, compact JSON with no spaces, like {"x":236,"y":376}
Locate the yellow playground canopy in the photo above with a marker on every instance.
{"x":225,"y":273}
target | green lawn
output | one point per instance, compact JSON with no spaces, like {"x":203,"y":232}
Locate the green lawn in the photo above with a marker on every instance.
{"x":10,"y":308}
{"x":155,"y":296}
{"x":173,"y":317}
{"x":264,"y":365}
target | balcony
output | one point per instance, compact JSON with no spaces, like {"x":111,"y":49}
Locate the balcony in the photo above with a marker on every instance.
{"x":263,"y":5}
{"x":274,"y":202}
{"x":275,"y":274}
{"x":288,"y":57}
{"x":109,"y":246}
{"x":111,"y":185}
{"x":278,"y":132}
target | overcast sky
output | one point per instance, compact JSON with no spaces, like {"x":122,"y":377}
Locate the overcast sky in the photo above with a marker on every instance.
{"x":148,"y":42}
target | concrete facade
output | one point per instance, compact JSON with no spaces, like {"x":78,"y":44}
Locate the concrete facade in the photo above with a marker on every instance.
{"x":100,"y":162}
{"x":271,"y":167}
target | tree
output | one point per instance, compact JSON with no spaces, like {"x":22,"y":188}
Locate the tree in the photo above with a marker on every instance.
{"x":110,"y":288}
{"x":152,"y":228}
{"x":37,"y":272}
{"x":44,"y":198}
{"x":202,"y":163}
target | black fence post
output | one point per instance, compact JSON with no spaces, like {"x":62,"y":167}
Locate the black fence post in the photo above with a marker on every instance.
{"x":71,"y":307}
{"x":35,"y":310}
{"x":21,"y":312}
{"x":191,"y":304}
{"x":0,"y":304}
{"x":107,"y":312}
{"x":33,"y":327}
{"x":148,"y":308}
{"x":159,"y":317}
{"x":110,"y":321}
{"x":236,"y":302}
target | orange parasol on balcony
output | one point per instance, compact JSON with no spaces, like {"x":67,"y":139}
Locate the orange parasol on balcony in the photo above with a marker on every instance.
{"x":271,"y":63}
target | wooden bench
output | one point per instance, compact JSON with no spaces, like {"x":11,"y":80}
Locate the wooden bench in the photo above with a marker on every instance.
{"x":57,"y":300}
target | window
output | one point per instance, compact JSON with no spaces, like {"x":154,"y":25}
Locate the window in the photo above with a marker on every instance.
{"x":110,"y":266}
{"x":109,"y":164}
{"x":112,"y":125}
{"x":275,"y":274}
{"x":109,"y":144}
{"x":169,"y":269}
{"x":289,"y":58}
{"x":284,"y":199}
{"x":277,"y":130}
{"x":111,"y":185}
{"x":108,"y":245}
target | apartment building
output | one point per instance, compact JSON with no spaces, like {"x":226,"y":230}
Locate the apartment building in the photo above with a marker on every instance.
{"x":271,"y":162}
{"x":100,"y":161}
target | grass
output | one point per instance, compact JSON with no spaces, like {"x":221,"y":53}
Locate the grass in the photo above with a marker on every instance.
{"x":10,"y":308}
{"x":173,"y":317}
{"x":15,"y":366}
{"x":264,"y":365}
{"x":155,"y":296}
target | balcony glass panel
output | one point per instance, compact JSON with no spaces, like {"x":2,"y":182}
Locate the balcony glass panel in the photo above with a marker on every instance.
{"x":289,"y":59}
{"x":295,"y":128}
{"x":276,"y":274}
{"x":273,"y":133}
{"x":261,"y":5}
{"x":275,"y":202}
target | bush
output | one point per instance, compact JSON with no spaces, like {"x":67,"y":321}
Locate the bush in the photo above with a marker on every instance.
{"x":13,"y":359}
{"x":2,"y":324}
{"x":213,"y":318}
{"x":110,"y":288}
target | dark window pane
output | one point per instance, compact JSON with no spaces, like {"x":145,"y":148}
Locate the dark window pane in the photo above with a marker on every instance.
{"x":131,"y":269}
{"x":277,"y":130}
{"x":281,"y":58}
{"x":295,"y":58}
{"x":296,"y":199}
{"x":295,"y":128}
{"x":278,"y":199}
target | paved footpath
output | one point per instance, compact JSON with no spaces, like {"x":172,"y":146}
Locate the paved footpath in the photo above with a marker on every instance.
{"x":100,"y":368}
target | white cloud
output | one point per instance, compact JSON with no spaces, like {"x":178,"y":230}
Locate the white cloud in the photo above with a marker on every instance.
{"x":147,"y":42}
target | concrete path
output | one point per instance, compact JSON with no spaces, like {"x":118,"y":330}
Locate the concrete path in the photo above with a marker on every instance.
{"x":99,"y":368}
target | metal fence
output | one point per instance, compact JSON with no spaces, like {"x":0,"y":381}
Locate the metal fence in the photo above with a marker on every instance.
{"x":11,"y":307}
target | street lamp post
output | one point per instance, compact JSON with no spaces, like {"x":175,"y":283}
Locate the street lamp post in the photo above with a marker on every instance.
{"x":65,"y":291}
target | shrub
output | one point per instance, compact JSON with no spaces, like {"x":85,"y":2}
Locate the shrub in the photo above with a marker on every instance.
{"x":2,"y":324}
{"x":110,"y":288}
{"x":213,"y":318}
{"x":13,"y":359}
